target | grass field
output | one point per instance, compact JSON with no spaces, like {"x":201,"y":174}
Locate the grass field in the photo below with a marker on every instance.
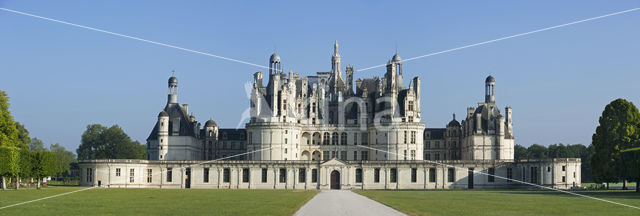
{"x":504,"y":202}
{"x":154,"y":202}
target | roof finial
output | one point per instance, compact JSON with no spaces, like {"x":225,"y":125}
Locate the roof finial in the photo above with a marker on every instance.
{"x":454,"y":116}
{"x":335,"y":48}
{"x":396,"y":47}
{"x":173,"y":72}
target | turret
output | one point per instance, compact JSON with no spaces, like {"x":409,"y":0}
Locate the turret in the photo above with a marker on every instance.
{"x":489,"y":92}
{"x":163,"y":134}
{"x":349,"y":84}
{"x":173,"y":90}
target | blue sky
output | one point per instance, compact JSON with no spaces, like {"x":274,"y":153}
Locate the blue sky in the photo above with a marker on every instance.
{"x":61,"y":78}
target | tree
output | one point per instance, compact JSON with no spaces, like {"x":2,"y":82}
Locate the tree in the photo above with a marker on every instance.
{"x":13,"y":136}
{"x":26,"y":165}
{"x":99,"y":142}
{"x":43,"y":165}
{"x":36,"y":145}
{"x":520,"y":152}
{"x":9,"y":163}
{"x":9,"y":134}
{"x":558,"y":151}
{"x":63,"y":159}
{"x":617,"y":130}
{"x":538,"y":151}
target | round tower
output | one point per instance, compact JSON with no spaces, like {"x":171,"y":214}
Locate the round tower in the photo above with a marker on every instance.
{"x":173,"y":90}
{"x":211,"y":136}
{"x":489,"y":90}
{"x":163,"y":135}
{"x":274,"y":64}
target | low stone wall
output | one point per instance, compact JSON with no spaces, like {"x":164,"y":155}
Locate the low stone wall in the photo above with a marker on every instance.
{"x":454,"y":174}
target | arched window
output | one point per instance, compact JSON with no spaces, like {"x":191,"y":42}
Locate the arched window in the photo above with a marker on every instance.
{"x":343,"y":138}
{"x":325,"y":139}
{"x":334,"y":138}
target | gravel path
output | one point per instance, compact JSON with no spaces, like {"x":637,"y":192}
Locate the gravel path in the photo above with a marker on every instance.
{"x":344,"y":202}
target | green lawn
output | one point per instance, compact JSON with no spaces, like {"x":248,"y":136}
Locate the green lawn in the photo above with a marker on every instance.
{"x":154,"y":202}
{"x":505,"y":202}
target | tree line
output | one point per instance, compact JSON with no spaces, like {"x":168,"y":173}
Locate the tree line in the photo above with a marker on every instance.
{"x":23,"y":157}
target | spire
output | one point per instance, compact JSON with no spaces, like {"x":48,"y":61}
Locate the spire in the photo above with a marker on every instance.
{"x":335,"y":48}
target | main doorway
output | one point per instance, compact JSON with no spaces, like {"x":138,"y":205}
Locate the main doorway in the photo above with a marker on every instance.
{"x":335,"y":180}
{"x":187,"y":178}
{"x":470,"y":178}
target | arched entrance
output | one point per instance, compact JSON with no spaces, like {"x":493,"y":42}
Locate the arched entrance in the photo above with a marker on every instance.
{"x":335,"y":180}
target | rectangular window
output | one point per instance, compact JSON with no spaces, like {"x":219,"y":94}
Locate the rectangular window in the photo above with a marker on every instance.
{"x":427,"y":144}
{"x":343,"y":155}
{"x":205,"y":175}
{"x":149,"y":175}
{"x":302,"y":175}
{"x":427,"y":156}
{"x":245,"y":175}
{"x":509,"y":174}
{"x":89,"y":175}
{"x":432,"y":174}
{"x":355,"y":139}
{"x":564,"y":168}
{"x":405,"y":155}
{"x":393,"y":175}
{"x":365,"y":155}
{"x":325,"y":155}
{"x":117,"y":171}
{"x":405,"y":137}
{"x":365,"y":138}
{"x":376,"y":175}
{"x":564,"y":179}
{"x":314,"y":175}
{"x":169,"y":174}
{"x":451,"y":175}
{"x":226,"y":175}
{"x":264,"y":175}
{"x":437,"y":156}
{"x":413,"y":137}
{"x":359,"y":175}
{"x":413,"y":154}
{"x":355,"y":155}
{"x":283,"y":175}
{"x":414,"y":174}
{"x":491,"y":177}
{"x":131,"y":175}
